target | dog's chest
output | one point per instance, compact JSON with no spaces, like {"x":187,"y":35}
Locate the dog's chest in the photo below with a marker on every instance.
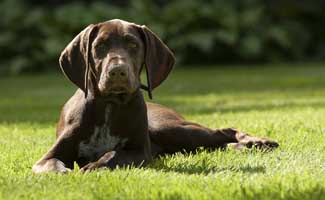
{"x":101,"y":141}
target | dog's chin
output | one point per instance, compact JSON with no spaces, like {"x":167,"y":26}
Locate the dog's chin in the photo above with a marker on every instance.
{"x":117,"y":97}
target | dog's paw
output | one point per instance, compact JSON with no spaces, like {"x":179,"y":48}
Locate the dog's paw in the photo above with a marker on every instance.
{"x":51,"y":165}
{"x":253,"y":142}
{"x":100,"y":163}
{"x":91,"y":167}
{"x":259,"y":143}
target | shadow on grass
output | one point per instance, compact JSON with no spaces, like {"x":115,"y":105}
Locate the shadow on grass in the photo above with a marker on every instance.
{"x":183,"y":163}
{"x":39,"y":99}
{"x":206,"y":169}
{"x":196,"y":109}
{"x":41,"y":112}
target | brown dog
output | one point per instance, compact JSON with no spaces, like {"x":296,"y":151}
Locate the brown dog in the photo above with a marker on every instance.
{"x":106,"y":122}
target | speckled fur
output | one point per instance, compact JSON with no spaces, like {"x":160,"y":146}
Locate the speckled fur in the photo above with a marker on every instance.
{"x":101,"y":141}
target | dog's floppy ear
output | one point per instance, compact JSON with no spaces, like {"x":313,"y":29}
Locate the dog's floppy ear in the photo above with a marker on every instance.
{"x":159,"y":59}
{"x":75,"y":58}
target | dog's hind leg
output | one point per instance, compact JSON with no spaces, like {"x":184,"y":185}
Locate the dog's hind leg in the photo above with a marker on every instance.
{"x":170,"y":132}
{"x":189,"y":136}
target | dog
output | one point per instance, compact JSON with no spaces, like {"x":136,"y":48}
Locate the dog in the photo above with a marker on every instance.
{"x":107,"y":123}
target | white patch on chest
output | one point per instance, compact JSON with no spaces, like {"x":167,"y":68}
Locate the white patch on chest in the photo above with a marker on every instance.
{"x":101,"y":141}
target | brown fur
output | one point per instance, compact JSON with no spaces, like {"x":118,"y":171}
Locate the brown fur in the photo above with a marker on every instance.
{"x":105,"y":61}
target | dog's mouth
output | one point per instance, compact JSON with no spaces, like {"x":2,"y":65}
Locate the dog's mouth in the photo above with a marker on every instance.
{"x":117,"y":95}
{"x":117,"y":91}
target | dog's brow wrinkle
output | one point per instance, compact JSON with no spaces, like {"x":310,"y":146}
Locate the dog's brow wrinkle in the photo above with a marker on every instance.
{"x":129,"y":36}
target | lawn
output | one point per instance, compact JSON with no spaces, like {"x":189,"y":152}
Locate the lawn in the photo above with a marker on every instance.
{"x":283,"y":102}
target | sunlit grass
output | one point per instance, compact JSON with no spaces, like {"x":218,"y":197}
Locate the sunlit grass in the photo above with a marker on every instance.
{"x":285,"y":103}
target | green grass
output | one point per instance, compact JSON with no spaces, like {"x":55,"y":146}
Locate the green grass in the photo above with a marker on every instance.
{"x":285,"y":103}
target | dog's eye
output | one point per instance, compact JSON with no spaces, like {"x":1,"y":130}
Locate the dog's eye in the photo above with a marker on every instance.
{"x":132,"y":45}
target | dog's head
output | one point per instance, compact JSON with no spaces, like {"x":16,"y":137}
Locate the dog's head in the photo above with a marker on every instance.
{"x":106,"y":59}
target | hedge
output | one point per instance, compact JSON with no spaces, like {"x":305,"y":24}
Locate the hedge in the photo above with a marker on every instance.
{"x":198,"y":31}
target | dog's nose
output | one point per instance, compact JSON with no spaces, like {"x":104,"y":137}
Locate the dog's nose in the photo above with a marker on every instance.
{"x":118,"y":72}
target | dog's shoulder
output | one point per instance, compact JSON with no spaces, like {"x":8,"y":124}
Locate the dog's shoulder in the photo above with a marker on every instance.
{"x":72,"y":112}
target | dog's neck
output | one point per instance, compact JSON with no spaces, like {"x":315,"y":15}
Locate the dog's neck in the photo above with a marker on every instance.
{"x":120,"y":118}
{"x":133,"y":106}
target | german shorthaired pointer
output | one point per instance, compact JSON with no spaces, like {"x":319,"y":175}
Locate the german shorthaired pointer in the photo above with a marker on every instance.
{"x":107,"y":122}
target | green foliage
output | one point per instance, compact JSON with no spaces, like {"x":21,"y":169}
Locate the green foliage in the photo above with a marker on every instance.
{"x":275,"y":101}
{"x":214,"y":31}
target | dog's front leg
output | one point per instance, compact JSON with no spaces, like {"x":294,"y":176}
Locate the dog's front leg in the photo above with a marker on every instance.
{"x":59,"y":158}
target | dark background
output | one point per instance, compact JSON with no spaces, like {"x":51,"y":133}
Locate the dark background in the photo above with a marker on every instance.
{"x":201,"y":32}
